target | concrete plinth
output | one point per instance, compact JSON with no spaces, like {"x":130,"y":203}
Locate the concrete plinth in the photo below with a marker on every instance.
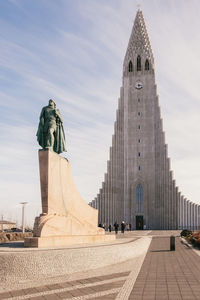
{"x":66,"y":218}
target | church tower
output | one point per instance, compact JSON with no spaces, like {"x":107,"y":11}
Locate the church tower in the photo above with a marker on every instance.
{"x":139,"y":187}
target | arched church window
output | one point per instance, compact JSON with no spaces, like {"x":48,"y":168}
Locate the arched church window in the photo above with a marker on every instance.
{"x":147,"y":65}
{"x":139,"y":67}
{"x":139,"y":199}
{"x":130,"y":66}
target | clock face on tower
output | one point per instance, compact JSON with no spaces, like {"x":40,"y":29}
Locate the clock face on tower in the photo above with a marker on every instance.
{"x":138,"y":85}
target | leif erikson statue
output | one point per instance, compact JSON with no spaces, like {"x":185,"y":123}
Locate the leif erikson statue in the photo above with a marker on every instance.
{"x":50,"y":134}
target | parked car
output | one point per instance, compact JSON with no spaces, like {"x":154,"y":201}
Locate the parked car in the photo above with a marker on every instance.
{"x":14,"y":229}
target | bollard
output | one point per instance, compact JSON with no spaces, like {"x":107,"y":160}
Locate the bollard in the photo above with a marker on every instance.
{"x":172,"y":243}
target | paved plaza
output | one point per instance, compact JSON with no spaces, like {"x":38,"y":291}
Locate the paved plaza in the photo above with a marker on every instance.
{"x":160,"y":275}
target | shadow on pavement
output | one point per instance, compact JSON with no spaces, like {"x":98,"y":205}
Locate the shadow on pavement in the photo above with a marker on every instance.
{"x":12,"y":245}
{"x":160,"y":250}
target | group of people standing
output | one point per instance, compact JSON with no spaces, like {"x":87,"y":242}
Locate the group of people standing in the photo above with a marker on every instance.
{"x":115,"y":226}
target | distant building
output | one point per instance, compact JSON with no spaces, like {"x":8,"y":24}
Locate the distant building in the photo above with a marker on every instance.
{"x":6,"y":225}
{"x":139,"y":187}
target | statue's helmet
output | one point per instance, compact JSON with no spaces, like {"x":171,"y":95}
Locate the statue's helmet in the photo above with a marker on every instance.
{"x":52,"y":101}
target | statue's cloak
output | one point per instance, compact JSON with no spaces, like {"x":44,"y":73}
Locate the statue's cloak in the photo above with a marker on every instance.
{"x":59,"y":143}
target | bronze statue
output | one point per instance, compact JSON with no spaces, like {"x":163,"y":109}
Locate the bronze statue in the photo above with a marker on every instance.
{"x":50,"y":134}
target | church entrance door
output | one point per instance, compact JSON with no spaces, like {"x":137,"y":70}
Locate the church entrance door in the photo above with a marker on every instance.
{"x":139,"y":222}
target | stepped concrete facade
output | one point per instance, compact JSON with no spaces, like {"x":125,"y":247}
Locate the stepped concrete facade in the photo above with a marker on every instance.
{"x":139,"y":187}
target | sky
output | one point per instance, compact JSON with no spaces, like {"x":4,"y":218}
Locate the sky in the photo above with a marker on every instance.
{"x":72,"y":51}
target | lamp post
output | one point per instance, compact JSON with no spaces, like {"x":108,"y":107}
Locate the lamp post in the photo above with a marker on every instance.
{"x":23,"y":214}
{"x":2,"y":223}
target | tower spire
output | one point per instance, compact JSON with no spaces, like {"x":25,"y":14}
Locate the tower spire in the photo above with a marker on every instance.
{"x":139,"y":43}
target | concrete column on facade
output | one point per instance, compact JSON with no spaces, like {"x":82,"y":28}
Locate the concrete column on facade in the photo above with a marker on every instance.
{"x":186,"y":213}
{"x":109,"y":193}
{"x":171,"y":200}
{"x":163,"y":181}
{"x":101,"y":203}
{"x":174,"y":204}
{"x":168,"y":192}
{"x":193,"y":216}
{"x":113,"y":178}
{"x":111,"y":185}
{"x":106,"y":199}
{"x":119,"y":202}
{"x":198,"y":217}
{"x":99,"y":208}
{"x":176,"y":207}
{"x":164,"y":186}
{"x":190,"y":222}
{"x":114,"y":174}
{"x":179,"y":210}
{"x":183,"y":210}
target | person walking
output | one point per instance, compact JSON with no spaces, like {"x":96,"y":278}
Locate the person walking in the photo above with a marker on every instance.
{"x":123,"y":225}
{"x":116,"y":226}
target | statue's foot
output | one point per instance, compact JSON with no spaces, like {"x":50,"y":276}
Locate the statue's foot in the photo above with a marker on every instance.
{"x":49,"y":148}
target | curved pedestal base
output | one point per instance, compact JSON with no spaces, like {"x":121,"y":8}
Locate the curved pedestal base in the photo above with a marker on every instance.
{"x":57,"y":241}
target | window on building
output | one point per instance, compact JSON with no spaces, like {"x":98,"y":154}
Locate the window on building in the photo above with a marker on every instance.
{"x":130,"y":66}
{"x":138,"y":126}
{"x":139,"y":140}
{"x":139,"y":113}
{"x":139,"y":168}
{"x":138,"y":100}
{"x":146,"y":64}
{"x":139,"y":154}
{"x":139,"y":199}
{"x":139,"y":67}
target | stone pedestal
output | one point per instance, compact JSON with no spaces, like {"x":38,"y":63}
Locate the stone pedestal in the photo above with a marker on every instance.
{"x":66,"y":218}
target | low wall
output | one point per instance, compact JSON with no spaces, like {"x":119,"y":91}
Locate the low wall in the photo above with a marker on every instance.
{"x":28,"y":264}
{"x":6,"y":237}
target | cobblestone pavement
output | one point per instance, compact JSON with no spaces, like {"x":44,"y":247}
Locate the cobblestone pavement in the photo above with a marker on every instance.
{"x":168,"y":275}
{"x":164,"y":275}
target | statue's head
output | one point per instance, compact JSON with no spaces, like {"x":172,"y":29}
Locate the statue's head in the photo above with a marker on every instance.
{"x":52,"y":103}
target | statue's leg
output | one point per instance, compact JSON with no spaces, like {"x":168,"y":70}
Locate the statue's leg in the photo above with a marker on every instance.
{"x":50,"y":138}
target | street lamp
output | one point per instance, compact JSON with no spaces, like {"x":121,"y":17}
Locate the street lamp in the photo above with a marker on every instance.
{"x":23,"y":214}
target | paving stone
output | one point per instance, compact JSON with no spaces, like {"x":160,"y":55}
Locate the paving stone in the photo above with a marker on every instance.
{"x":52,"y":297}
{"x":29,"y":291}
{"x":37,"y":298}
{"x":5,"y":295}
{"x":111,"y":296}
{"x":17,"y":293}
{"x":65,"y":295}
